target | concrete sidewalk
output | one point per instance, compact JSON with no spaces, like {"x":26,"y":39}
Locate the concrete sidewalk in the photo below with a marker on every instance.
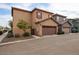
{"x":3,"y":36}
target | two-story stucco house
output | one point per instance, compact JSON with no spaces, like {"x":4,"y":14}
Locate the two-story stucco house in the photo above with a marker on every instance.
{"x":42,"y":22}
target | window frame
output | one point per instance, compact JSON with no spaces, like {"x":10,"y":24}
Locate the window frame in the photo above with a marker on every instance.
{"x":39,"y":16}
{"x":49,"y":16}
{"x":58,"y":18}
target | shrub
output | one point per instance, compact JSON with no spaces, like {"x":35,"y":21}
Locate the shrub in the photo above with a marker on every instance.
{"x":23,"y":25}
{"x":1,"y":32}
{"x":10,"y":31}
{"x":60,"y":32}
{"x":26,"y":34}
{"x":9,"y":35}
{"x":17,"y":35}
{"x":4,"y":31}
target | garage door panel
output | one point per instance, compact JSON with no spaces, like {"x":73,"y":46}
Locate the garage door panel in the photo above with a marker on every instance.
{"x":48,"y":30}
{"x":66,"y":29}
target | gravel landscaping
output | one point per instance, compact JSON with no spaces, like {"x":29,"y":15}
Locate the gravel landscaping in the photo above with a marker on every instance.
{"x":15,"y":39}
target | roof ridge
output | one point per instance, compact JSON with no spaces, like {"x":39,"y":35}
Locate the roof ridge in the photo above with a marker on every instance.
{"x":21,"y":9}
{"x":42,"y":10}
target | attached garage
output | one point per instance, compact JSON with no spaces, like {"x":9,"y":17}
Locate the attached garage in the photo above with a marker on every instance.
{"x":48,"y":30}
{"x":66,"y":27}
{"x":46,"y":27}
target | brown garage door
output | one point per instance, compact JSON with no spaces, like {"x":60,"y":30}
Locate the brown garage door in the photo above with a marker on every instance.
{"x":66,"y":29}
{"x":48,"y":30}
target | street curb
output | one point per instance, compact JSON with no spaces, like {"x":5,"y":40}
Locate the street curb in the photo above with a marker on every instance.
{"x":6,"y":43}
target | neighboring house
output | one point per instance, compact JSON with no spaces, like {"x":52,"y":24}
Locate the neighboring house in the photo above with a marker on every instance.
{"x":63,"y":23}
{"x":42,"y":22}
{"x":1,"y":28}
{"x":75,"y":23}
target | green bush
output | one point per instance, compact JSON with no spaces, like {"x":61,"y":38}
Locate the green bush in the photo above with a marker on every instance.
{"x":4,"y":31}
{"x":9,"y":35}
{"x":1,"y":32}
{"x":26,"y":34}
{"x":10,"y":31}
{"x":60,"y":33}
{"x":17,"y":35}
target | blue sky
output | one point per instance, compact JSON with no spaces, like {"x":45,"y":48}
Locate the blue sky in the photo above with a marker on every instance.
{"x":5,"y":10}
{"x":71,"y":10}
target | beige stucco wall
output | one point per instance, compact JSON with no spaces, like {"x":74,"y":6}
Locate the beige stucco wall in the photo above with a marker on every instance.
{"x":20,"y":15}
{"x":38,"y":30}
{"x":66,"y":28}
{"x":66,"y":24}
{"x":48,"y":22}
{"x":45,"y":15}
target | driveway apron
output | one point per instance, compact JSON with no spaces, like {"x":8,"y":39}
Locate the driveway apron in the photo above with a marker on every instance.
{"x":3,"y":36}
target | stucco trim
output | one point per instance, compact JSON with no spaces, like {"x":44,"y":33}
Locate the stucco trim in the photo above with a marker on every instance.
{"x":47,"y":19}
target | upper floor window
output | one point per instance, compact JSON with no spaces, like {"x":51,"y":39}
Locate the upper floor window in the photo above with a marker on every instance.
{"x":64,"y":19}
{"x":57,"y":18}
{"x":39,"y":15}
{"x":49,"y":16}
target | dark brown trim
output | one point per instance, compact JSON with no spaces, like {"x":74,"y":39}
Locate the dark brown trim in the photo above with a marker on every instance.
{"x":37,"y":16}
{"x":66,"y":27}
{"x":59,"y":15}
{"x":12,"y":8}
{"x":11,"y":11}
{"x":50,"y":26}
{"x":47,"y":19}
{"x":21,"y":9}
{"x":66,"y":22}
{"x":42,"y":10}
{"x":32,"y":10}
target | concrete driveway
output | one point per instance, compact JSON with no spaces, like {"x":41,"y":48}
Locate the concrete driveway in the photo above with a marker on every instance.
{"x":3,"y":36}
{"x":66,"y":44}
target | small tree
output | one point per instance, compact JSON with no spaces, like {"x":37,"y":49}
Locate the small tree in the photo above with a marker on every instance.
{"x":11,"y":24}
{"x":23,"y":25}
{"x":1,"y":28}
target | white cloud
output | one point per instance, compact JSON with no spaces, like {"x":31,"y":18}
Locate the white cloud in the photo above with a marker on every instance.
{"x":23,"y":6}
{"x":69,"y":9}
{"x":4,"y":6}
{"x":4,"y":20}
{"x":7,"y":17}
